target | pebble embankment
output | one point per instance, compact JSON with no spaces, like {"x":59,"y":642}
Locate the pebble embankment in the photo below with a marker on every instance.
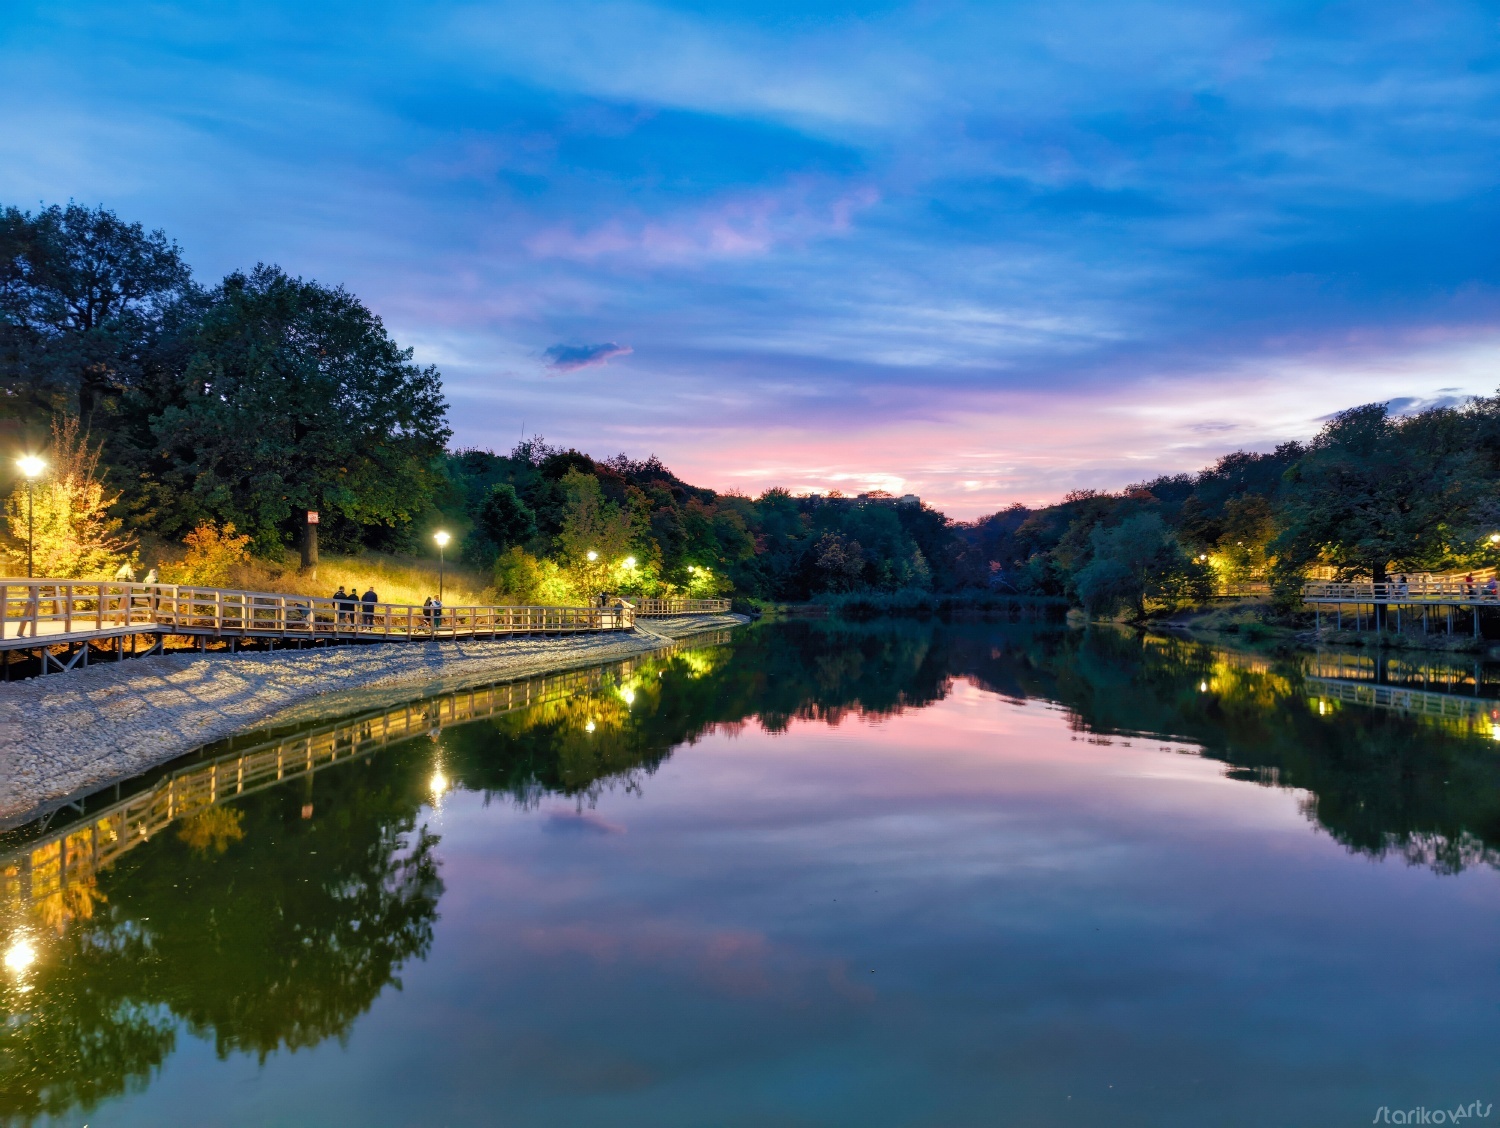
{"x":65,"y":735}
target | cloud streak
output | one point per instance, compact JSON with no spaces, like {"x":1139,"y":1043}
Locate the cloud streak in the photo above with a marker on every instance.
{"x":570,"y":358}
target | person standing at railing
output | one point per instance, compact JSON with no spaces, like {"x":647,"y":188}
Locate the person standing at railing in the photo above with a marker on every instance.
{"x":29,"y":610}
{"x":1492,"y":589}
{"x":341,"y":605}
{"x":126,"y":574}
{"x":370,"y":599}
{"x":1469,"y":585}
{"x":150,"y":581}
{"x":437,"y":614}
{"x":427,"y":614}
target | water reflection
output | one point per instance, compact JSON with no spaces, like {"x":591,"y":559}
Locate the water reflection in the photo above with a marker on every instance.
{"x":264,"y":896}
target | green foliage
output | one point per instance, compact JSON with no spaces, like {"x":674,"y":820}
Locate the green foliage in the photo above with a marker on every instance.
{"x":505,"y":518}
{"x":84,"y":299}
{"x":1135,"y":561}
{"x":1374,"y":493}
{"x":294,"y":398}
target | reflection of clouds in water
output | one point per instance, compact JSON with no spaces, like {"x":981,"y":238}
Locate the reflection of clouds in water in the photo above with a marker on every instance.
{"x":737,"y":962}
{"x":579,"y":822}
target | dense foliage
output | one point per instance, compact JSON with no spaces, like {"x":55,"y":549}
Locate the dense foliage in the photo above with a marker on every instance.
{"x":1373,"y":493}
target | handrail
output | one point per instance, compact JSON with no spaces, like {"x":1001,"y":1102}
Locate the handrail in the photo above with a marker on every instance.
{"x":1416,"y":590}
{"x":680,"y":606}
{"x":98,"y":605}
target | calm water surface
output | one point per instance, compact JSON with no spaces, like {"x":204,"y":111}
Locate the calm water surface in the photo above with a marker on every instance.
{"x":816,"y":875}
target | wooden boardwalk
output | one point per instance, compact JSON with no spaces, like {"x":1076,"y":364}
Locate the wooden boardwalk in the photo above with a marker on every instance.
{"x":95,"y":617}
{"x":1445,"y":592}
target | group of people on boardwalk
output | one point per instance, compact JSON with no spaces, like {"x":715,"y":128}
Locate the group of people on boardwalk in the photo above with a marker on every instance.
{"x":359,"y":610}
{"x":353,"y":607}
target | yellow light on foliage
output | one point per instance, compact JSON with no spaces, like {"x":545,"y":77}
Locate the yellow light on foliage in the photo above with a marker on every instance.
{"x":31,"y":465}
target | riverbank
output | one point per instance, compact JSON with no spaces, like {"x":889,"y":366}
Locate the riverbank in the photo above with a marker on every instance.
{"x":66,"y":735}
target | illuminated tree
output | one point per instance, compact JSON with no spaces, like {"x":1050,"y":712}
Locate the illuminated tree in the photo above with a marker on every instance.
{"x":596,"y":534}
{"x":74,"y":535}
{"x":211,"y":553}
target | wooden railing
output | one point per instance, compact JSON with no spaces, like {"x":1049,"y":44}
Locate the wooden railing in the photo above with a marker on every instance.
{"x":680,"y":606}
{"x":68,"y":607}
{"x":1417,"y":590}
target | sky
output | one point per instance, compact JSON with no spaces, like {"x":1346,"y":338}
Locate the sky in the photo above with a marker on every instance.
{"x":984,"y":253}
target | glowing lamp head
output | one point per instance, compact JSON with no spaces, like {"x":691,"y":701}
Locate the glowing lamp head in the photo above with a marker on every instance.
{"x":31,"y":465}
{"x":592,"y":556}
{"x":1495,"y":538}
{"x":589,"y":727}
{"x":442,"y":539}
{"x":628,"y":695}
{"x":630,"y":561}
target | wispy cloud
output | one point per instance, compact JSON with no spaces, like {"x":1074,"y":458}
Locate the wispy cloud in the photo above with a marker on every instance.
{"x":570,"y":358}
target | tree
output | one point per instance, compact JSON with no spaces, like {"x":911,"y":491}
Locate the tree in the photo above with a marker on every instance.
{"x":1373,"y":493}
{"x":505,"y":518}
{"x":596,"y":534}
{"x":211,"y":553}
{"x":1136,"y":560}
{"x":82,"y":294}
{"x":840,"y":560}
{"x":294,"y":398}
{"x":75,"y":537}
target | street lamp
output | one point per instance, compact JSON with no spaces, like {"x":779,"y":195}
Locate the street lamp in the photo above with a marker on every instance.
{"x":442,"y":543}
{"x":630,"y":561}
{"x":32,"y":467}
{"x":592,"y":555}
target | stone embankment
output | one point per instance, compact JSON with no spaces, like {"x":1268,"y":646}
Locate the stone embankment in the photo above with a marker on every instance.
{"x":68,"y":734}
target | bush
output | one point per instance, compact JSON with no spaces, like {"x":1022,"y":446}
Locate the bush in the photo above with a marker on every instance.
{"x":211,"y":553}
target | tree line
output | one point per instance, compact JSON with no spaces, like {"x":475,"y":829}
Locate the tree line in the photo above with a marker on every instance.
{"x":1373,"y":494}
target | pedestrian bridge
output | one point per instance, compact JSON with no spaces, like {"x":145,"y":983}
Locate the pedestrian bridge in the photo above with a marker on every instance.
{"x":1417,"y":591}
{"x":85,"y":618}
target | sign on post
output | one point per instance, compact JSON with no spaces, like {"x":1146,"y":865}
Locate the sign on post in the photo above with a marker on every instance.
{"x":312,"y":516}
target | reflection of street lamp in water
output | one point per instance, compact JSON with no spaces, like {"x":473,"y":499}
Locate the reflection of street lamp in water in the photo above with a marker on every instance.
{"x":32,"y":467}
{"x":442,"y":543}
{"x":19,"y":956}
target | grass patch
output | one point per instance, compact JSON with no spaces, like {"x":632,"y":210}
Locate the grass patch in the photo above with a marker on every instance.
{"x":395,"y":579}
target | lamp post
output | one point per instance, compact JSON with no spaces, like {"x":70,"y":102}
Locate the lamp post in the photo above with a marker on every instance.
{"x":31,"y":466}
{"x":442,"y":543}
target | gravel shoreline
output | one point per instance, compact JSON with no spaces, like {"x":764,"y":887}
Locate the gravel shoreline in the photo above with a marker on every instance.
{"x":64,"y":735}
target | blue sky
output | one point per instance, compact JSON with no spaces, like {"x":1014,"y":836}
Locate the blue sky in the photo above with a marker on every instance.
{"x":984,"y":253}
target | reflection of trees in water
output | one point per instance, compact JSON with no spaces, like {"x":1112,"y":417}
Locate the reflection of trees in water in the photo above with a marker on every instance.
{"x":1380,"y":782}
{"x":281,"y":937}
{"x":264,"y":929}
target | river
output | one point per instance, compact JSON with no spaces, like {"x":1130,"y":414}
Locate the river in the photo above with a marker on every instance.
{"x":811,"y":873}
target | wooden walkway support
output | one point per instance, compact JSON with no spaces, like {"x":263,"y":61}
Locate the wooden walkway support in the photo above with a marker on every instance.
{"x":1424,"y":596}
